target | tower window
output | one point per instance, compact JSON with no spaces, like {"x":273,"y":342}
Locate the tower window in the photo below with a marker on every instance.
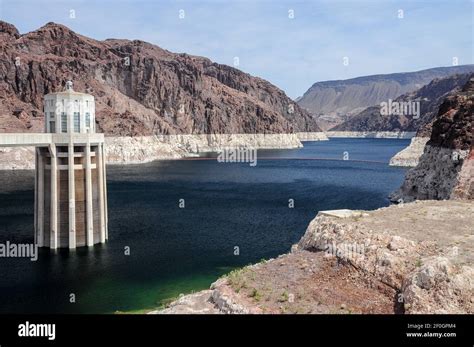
{"x":51,"y":115}
{"x":88,"y":120}
{"x":52,"y":126}
{"x":63,"y":122}
{"x":77,"y":122}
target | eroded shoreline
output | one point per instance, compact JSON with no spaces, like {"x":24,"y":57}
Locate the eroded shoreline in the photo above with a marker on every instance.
{"x":144,"y":149}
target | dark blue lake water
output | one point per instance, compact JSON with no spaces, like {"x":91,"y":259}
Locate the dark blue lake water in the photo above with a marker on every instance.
{"x":177,"y":250}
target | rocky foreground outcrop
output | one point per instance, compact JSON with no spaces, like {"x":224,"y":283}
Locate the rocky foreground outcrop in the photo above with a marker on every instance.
{"x":408,"y":258}
{"x":140,"y":89}
{"x":446,"y":168}
{"x":423,"y":250}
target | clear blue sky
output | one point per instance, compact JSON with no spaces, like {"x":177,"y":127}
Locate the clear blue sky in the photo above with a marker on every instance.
{"x":292,"y":53}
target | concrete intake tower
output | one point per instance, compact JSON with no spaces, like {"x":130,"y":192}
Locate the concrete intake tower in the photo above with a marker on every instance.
{"x":70,"y":179}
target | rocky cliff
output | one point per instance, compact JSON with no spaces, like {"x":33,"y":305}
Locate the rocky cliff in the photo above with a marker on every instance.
{"x":140,"y":89}
{"x":446,"y":168}
{"x":333,"y":102}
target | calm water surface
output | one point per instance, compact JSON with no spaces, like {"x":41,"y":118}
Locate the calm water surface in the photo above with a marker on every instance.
{"x":176,"y":250}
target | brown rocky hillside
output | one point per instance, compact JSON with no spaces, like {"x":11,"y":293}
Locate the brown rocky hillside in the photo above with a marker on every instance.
{"x":140,"y":88}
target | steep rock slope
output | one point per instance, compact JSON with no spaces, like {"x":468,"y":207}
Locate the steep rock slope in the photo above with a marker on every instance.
{"x":140,"y":89}
{"x":333,"y":102}
{"x":446,"y":168}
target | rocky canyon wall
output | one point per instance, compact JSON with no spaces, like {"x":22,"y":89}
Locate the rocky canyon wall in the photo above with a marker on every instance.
{"x":445,"y":170}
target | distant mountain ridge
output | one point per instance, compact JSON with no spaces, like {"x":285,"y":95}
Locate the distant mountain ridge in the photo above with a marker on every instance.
{"x":140,"y":88}
{"x":333,"y":102}
{"x":428,"y":97}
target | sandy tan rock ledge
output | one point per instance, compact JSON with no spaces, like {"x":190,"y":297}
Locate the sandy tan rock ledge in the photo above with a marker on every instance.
{"x":17,"y":158}
{"x":372,"y":134}
{"x":315,"y":136}
{"x":142,"y":149}
{"x":410,"y":156}
{"x":413,"y":258}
